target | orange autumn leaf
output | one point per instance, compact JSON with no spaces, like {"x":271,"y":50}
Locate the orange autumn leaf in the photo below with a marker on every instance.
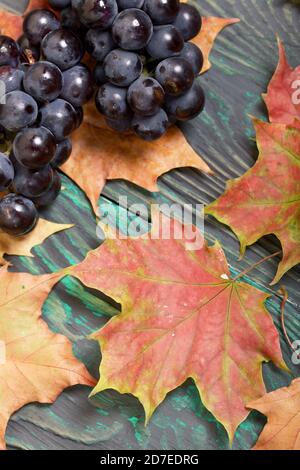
{"x":265,"y":200}
{"x":36,"y":365}
{"x":283,"y":95}
{"x":211,"y":28}
{"x":282,"y":408}
{"x":22,"y":246}
{"x":101,"y":154}
{"x":182,"y":317}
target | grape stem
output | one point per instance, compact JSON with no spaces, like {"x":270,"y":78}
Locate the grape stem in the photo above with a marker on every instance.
{"x":29,"y":56}
{"x":285,"y":298}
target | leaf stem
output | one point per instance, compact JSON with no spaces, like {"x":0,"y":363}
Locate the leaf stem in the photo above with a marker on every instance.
{"x":283,"y":304}
{"x":248,"y":270}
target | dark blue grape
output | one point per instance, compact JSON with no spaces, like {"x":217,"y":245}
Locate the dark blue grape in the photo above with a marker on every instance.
{"x":125,"y":4}
{"x":34,"y":147}
{"x":152,"y":127}
{"x":192,"y":54}
{"x":32,"y":183}
{"x":99,"y":43}
{"x":188,"y":21}
{"x":162,"y":11}
{"x":37,"y":24}
{"x":175,"y":75}
{"x":186,"y":106}
{"x":132,"y":29}
{"x":96,"y":13}
{"x":18,"y":215}
{"x":62,"y":154}
{"x":18,"y":111}
{"x":7,"y":172}
{"x":43,"y":81}
{"x":49,"y":196}
{"x":99,"y":75}
{"x":69,"y":19}
{"x":145,"y":96}
{"x":119,"y":125}
{"x":9,"y":51}
{"x":60,"y":4}
{"x":78,"y":85}
{"x":79,"y":116}
{"x":63,"y":48}
{"x":111,"y":101}
{"x":122,"y":67}
{"x":166,"y":41}
{"x":59,"y":117}
{"x":11,"y":79}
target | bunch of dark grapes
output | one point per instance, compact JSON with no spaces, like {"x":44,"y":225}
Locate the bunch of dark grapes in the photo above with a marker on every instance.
{"x":145,"y":75}
{"x":146,"y":64}
{"x":43,"y":85}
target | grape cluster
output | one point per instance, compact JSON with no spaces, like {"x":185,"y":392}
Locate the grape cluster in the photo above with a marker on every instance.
{"x":146,"y":64}
{"x":43,"y":88}
{"x":144,"y":77}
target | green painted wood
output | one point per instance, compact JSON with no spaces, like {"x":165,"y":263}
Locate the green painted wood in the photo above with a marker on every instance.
{"x":244,"y":59}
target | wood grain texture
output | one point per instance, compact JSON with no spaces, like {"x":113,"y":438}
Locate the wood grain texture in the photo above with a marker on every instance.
{"x":244,"y":59}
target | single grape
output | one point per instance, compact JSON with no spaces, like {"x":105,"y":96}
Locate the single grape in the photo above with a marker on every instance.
{"x":188,"y":105}
{"x":99,"y":75}
{"x":79,"y":116}
{"x":145,"y":96}
{"x":43,"y":81}
{"x":28,"y":50}
{"x":111,"y":101}
{"x":60,"y":4}
{"x":151,"y":127}
{"x":63,"y":48}
{"x":59,"y":117}
{"x":96,"y":13}
{"x":119,"y":125}
{"x":132,"y":29}
{"x":166,"y":41}
{"x":18,"y":111}
{"x":192,"y":54}
{"x":162,"y":11}
{"x":78,"y":85}
{"x":11,"y":79}
{"x":99,"y":43}
{"x":122,"y":67}
{"x":18,"y":215}
{"x":188,"y":21}
{"x":9,"y":51}
{"x":34,"y":147}
{"x":62,"y":154}
{"x":69,"y":19}
{"x":32,"y":183}
{"x":37,"y":24}
{"x":49,"y":196}
{"x":125,"y":4}
{"x":7,"y":172}
{"x":175,"y":74}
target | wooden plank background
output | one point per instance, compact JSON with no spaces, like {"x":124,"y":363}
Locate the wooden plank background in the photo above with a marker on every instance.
{"x":244,"y":59}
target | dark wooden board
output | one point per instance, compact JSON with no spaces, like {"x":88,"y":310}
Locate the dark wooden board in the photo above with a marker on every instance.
{"x":244,"y":59}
